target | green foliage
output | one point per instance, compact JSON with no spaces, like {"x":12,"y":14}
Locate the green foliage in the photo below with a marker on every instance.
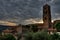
{"x":37,"y":36}
{"x":57,"y":26}
{"x":28,"y":36}
{"x":55,"y":36}
{"x":7,"y":37}
{"x":41,"y":36}
{"x":34,"y":28}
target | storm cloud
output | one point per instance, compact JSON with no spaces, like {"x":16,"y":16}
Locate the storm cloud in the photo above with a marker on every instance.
{"x":18,"y":11}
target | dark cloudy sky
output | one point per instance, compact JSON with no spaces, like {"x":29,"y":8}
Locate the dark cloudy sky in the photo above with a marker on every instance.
{"x":27,"y":11}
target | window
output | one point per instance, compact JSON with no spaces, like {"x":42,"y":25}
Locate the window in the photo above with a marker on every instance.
{"x":45,"y":18}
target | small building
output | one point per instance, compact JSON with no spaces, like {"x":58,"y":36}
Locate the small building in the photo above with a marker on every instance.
{"x":7,"y":31}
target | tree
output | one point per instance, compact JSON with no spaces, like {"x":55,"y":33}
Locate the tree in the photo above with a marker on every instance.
{"x":43,"y":35}
{"x":55,"y":36}
{"x":34,"y":28}
{"x":37,"y":36}
{"x":40,"y":36}
{"x":28,"y":36}
{"x":57,"y":26}
{"x":9,"y":37}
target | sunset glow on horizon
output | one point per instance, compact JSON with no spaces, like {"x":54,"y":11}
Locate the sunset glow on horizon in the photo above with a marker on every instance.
{"x":7,"y":23}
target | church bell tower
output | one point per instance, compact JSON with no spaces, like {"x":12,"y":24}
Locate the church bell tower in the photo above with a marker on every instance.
{"x":47,"y":16}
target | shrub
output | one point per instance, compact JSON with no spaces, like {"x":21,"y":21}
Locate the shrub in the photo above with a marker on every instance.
{"x":7,"y":37}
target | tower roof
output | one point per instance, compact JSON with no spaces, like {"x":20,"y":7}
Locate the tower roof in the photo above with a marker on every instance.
{"x":46,"y":5}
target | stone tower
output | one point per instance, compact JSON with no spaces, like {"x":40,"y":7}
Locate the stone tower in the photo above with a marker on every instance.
{"x":46,"y":16}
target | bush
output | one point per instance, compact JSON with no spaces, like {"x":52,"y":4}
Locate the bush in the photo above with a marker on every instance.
{"x":28,"y":36}
{"x":41,"y":36}
{"x":7,"y":37}
{"x":37,"y":36}
{"x":55,"y":36}
{"x":57,"y":26}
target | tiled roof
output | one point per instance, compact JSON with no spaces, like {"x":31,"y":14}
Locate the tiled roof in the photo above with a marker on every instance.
{"x":7,"y":31}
